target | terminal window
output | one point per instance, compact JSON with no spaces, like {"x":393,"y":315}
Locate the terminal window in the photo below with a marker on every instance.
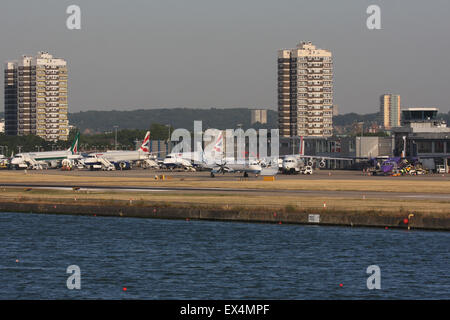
{"x":438,"y":147}
{"x":424,"y":147}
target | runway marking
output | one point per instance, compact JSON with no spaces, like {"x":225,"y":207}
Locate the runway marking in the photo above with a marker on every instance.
{"x":348,"y":193}
{"x":100,"y":189}
{"x":427,"y":196}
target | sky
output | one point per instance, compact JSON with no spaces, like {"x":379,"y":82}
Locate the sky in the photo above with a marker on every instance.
{"x":206,"y":53}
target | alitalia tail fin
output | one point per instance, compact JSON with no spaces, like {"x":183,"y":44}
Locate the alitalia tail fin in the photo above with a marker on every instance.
{"x":74,"y":147}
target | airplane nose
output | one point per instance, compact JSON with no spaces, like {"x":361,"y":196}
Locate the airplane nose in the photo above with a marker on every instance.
{"x":255,"y":167}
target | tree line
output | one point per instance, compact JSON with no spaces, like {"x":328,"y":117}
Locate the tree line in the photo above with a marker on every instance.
{"x":127,"y":139}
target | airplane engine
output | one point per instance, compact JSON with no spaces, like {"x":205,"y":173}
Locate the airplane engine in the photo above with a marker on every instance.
{"x":322,"y":164}
{"x":65,"y":163}
{"x":124,"y":165}
{"x":53,"y":164}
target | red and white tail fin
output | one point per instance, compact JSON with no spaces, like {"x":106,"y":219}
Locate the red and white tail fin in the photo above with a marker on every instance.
{"x":144,"y":146}
{"x":301,"y":149}
{"x":218,"y":146}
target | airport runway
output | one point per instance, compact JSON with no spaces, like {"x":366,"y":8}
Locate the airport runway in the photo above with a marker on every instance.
{"x":205,"y":175}
{"x":194,"y":190}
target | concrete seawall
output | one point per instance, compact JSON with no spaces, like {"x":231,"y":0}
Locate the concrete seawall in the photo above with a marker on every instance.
{"x":320,"y":217}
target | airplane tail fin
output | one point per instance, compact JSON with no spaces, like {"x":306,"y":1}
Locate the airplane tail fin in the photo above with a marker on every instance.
{"x":74,"y":147}
{"x":144,"y":146}
{"x":213,"y":151}
{"x":301,"y":149}
{"x":218,"y":146}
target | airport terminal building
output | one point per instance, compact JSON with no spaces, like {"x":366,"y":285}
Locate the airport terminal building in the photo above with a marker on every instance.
{"x":355,"y":147}
{"x":423,"y":136}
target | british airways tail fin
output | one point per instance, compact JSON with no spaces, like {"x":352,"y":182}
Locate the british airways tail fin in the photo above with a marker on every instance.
{"x":144,"y":146}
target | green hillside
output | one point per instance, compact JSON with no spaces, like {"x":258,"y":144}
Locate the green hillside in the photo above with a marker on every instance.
{"x":176,"y":117}
{"x":101,"y":121}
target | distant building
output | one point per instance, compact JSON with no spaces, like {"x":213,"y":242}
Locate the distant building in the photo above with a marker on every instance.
{"x":258,"y":115}
{"x":373,"y":128}
{"x":417,"y":115}
{"x":390,"y":110}
{"x":159,"y":147}
{"x":335,"y":110}
{"x":36,"y":97}
{"x":305,"y":91}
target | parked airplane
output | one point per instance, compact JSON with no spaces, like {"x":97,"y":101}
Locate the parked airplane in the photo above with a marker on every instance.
{"x":197,"y":159}
{"x":292,"y":164}
{"x":213,"y":159}
{"x":39,"y":160}
{"x":229,"y":165}
{"x":118,"y":159}
{"x":295,"y":162}
{"x":179,"y":160}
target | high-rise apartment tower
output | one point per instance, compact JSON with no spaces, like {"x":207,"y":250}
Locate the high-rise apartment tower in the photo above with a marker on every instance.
{"x":36,"y":97}
{"x":390,"y":110}
{"x":305,"y":91}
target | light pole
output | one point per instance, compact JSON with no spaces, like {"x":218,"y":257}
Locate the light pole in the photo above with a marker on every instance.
{"x":168,"y":139}
{"x":360,"y":139}
{"x":404,"y":147}
{"x":115,"y":137}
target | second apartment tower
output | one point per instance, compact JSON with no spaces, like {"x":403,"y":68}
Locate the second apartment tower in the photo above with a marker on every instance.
{"x":305,"y":91}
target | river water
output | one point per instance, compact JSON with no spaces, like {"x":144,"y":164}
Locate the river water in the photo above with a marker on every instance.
{"x":167,"y":259}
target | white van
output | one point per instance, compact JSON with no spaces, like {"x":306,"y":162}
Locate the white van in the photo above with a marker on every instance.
{"x":440,"y":169}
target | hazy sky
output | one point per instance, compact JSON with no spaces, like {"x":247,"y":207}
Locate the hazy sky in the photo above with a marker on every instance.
{"x":206,"y":53}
